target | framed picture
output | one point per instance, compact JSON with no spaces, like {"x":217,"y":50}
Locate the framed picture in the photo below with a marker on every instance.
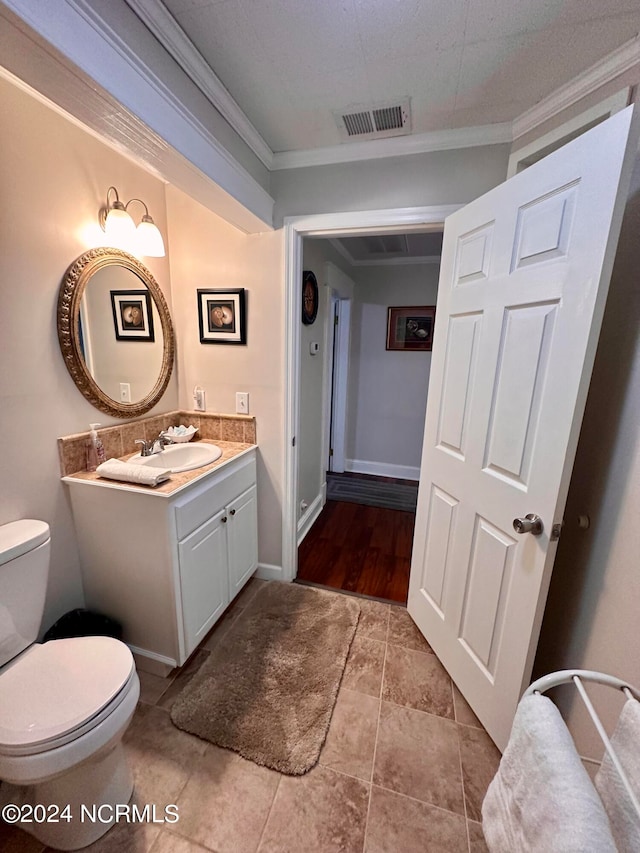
{"x":410,"y":328}
{"x":222,"y":316}
{"x":309,"y":297}
{"x":132,"y":315}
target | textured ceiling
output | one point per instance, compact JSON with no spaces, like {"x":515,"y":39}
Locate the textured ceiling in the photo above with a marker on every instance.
{"x":391,"y":247}
{"x":290,"y":63}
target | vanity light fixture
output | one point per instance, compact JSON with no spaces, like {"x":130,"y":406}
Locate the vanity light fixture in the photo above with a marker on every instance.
{"x":118,"y":225}
{"x":149,"y":238}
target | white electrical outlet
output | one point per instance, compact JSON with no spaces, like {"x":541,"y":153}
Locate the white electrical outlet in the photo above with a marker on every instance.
{"x":242,"y":402}
{"x":125,"y":392}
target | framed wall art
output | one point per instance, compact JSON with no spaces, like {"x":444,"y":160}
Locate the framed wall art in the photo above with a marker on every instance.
{"x":132,"y":315}
{"x":309,"y":297}
{"x":410,"y":328}
{"x":222,"y":316}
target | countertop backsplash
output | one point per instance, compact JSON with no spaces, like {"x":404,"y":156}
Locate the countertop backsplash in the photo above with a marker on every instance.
{"x":119,"y":440}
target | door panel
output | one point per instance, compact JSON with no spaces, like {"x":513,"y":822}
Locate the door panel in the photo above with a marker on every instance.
{"x":525,"y":343}
{"x":524,"y":275}
{"x":464,"y":332}
{"x":486,"y":587}
{"x":242,"y":539}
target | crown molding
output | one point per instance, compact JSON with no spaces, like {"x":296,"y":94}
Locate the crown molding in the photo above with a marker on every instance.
{"x":101,"y":52}
{"x":157,"y":18}
{"x":397,"y":146}
{"x":152,"y":123}
{"x":602,"y":72}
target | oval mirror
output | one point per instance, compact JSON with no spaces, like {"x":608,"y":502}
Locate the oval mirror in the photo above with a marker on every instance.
{"x":115,"y":332}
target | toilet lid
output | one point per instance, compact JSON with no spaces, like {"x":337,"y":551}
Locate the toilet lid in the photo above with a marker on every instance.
{"x":18,"y":537}
{"x":55,"y":687}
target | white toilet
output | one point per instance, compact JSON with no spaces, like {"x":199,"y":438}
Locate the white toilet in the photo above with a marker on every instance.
{"x":64,"y":705}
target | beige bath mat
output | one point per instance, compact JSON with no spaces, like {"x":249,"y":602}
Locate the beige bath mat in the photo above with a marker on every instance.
{"x":268,"y":689}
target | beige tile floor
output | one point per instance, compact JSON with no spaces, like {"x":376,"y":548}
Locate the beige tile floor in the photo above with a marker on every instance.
{"x":404,"y":768}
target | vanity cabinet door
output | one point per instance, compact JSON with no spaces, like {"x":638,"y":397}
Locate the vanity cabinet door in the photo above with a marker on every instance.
{"x":203,"y":578}
{"x":242,"y":539}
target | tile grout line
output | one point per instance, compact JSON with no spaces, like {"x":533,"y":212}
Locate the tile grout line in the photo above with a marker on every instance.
{"x":266,"y":820}
{"x":421,"y":802}
{"x":420,"y":711}
{"x":375,"y":745}
{"x":419,"y":651}
{"x":464,"y":793}
{"x":190,"y":841}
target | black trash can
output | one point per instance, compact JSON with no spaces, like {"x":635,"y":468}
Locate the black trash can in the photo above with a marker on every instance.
{"x":83,"y":623}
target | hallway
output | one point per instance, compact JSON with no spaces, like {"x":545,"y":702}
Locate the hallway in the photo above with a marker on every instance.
{"x":361,"y":549}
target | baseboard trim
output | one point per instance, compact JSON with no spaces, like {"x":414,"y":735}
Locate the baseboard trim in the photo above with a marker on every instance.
{"x":152,"y":662}
{"x":382,"y":469}
{"x":269,"y":572}
{"x":313,"y":511}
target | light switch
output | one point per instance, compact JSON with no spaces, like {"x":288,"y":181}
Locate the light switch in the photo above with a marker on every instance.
{"x":242,"y":402}
{"x":199,"y":400}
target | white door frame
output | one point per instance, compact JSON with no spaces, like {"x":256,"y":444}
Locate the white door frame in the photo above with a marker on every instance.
{"x":403,"y":219}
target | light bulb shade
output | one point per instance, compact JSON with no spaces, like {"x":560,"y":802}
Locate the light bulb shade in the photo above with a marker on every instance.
{"x":119,"y":226}
{"x":149,"y":239}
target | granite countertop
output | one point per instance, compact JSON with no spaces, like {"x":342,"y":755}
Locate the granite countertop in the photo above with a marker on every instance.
{"x":230,"y":450}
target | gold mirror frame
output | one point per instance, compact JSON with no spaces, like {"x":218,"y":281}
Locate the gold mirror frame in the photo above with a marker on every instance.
{"x":72,"y":289}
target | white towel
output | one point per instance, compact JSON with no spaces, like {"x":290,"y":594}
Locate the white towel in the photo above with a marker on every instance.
{"x":541,"y":798}
{"x":625,"y":823}
{"x":127,"y":472}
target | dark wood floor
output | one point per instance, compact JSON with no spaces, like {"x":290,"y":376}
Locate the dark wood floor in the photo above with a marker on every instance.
{"x":362,"y":549}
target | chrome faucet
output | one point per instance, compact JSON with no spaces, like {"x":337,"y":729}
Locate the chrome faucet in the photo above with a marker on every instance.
{"x":148,"y":448}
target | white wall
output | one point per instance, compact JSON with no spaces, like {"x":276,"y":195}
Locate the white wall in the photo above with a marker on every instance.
{"x":591,"y":619}
{"x":207,"y":252}
{"x":54,"y":177}
{"x":388,"y":390}
{"x":439,"y":177}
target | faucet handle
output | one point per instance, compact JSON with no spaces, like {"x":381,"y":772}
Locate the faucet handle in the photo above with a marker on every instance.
{"x":144,"y":450}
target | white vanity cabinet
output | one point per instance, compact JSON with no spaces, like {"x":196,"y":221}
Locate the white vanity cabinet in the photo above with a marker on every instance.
{"x":167,"y":566}
{"x":227,"y":539}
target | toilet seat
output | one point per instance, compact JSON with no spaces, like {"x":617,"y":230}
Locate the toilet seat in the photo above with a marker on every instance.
{"x":56,"y":692}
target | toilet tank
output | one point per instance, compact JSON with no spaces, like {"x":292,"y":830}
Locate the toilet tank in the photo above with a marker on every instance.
{"x":24,"y":567}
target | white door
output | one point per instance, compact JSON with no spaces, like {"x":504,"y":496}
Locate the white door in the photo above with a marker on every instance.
{"x":523,"y":282}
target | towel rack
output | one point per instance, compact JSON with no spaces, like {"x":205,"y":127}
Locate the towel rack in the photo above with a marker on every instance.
{"x":577,"y":676}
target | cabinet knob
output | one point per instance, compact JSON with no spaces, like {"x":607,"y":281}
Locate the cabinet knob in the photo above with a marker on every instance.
{"x":232,"y":512}
{"x":224,"y":519}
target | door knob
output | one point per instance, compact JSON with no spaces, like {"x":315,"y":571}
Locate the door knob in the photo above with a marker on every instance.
{"x":531,"y":523}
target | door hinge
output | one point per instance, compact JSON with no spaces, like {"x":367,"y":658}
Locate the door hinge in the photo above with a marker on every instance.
{"x":331,"y":451}
{"x":293,"y":441}
{"x":335,"y":319}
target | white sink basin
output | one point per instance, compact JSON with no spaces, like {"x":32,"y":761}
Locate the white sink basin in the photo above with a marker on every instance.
{"x":180,"y":457}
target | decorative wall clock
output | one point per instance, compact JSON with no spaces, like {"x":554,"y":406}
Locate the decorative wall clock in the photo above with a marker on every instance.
{"x":309,"y":297}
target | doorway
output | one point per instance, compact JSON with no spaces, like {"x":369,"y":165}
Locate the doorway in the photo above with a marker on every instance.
{"x":361,"y":540}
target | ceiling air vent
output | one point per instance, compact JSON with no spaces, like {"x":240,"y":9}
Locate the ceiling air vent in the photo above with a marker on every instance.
{"x":386,"y":244}
{"x":374,"y":122}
